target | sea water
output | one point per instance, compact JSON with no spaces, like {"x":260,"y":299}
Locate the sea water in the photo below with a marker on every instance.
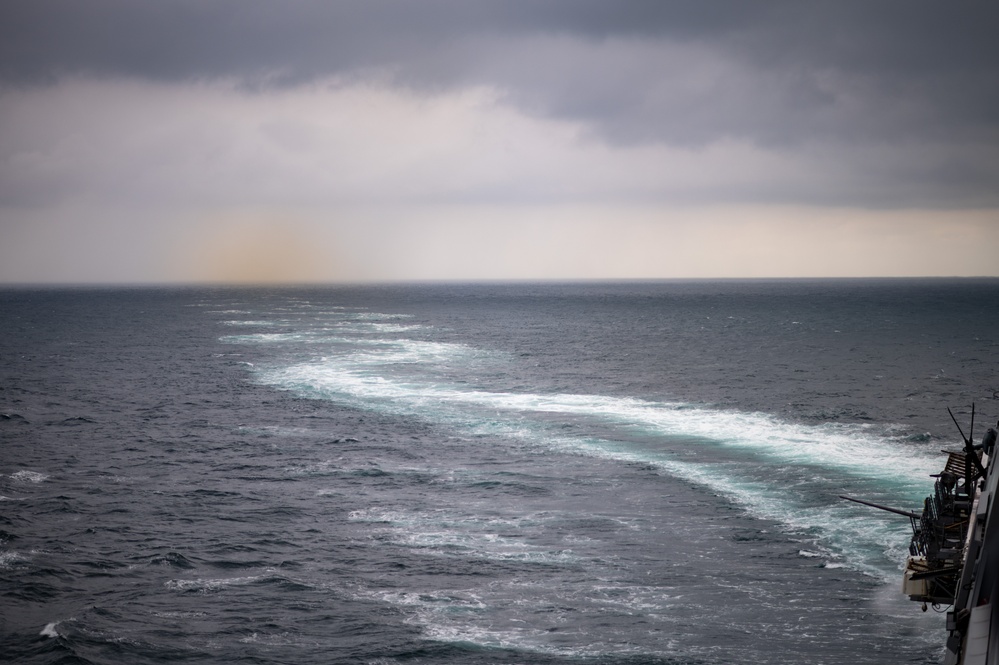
{"x":491,"y":473}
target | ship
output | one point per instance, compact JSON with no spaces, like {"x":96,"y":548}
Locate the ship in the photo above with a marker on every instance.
{"x":954,"y":553}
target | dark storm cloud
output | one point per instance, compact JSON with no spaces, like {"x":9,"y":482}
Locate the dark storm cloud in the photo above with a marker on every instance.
{"x":897,"y":74}
{"x":804,"y":58}
{"x":300,"y":39}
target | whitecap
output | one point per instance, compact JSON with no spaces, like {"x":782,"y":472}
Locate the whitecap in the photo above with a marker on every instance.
{"x":249,"y":323}
{"x":179,"y":615}
{"x":28,"y":476}
{"x":209,"y":585}
{"x":377,"y":316}
{"x":8,"y":559}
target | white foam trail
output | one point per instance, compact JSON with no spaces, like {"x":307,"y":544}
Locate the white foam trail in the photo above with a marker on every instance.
{"x":465,"y":536}
{"x":50,"y":630}
{"x":265,"y":338}
{"x":368,"y":328}
{"x":457,"y":617}
{"x":363,"y":378}
{"x":848,"y":447}
{"x":855,"y":449}
{"x":322,"y":336}
{"x":413,"y":352}
{"x":868,"y":539}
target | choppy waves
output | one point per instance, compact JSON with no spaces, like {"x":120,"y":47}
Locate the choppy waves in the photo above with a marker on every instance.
{"x":463,"y":475}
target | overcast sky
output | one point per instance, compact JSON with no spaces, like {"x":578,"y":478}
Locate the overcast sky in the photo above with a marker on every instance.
{"x":237,"y":140}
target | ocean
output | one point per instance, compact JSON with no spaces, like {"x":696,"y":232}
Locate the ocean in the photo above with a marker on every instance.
{"x":621,"y":473}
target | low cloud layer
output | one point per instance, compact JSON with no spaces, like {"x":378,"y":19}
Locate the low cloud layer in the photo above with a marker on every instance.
{"x":333,"y":143}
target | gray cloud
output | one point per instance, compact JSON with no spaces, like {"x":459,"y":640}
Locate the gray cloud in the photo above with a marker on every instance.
{"x":942,"y":58}
{"x":875,"y":85}
{"x":303,"y":38}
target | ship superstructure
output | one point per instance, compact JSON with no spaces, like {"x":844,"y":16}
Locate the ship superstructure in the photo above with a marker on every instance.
{"x":954,"y":553}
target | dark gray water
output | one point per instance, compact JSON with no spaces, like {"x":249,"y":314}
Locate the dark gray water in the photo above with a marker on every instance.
{"x":596,"y":473}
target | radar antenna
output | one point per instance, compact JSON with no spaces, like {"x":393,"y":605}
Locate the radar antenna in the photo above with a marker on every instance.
{"x":969,"y":446}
